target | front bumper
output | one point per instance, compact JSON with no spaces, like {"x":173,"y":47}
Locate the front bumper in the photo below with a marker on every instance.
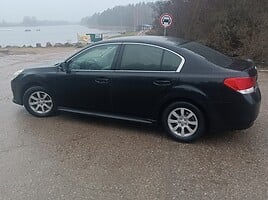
{"x":17,"y":92}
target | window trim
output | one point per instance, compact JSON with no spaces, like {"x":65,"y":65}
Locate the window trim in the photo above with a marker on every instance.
{"x":120,"y":57}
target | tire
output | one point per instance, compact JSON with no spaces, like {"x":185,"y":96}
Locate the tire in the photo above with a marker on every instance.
{"x":183,"y":121}
{"x":39,"y":102}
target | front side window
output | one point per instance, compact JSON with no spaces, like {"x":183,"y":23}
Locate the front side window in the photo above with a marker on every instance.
{"x":96,"y":58}
{"x":141,"y":58}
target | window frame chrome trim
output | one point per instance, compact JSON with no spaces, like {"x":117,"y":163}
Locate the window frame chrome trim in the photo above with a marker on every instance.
{"x":133,"y":71}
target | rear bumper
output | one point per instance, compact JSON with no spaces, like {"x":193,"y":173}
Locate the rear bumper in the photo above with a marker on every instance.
{"x":237,"y":115}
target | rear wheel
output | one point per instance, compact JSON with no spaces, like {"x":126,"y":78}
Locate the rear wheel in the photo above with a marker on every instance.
{"x":39,"y":102}
{"x":184,"y":121}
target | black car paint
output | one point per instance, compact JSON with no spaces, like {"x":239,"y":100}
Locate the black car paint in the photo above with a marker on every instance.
{"x":144,"y":95}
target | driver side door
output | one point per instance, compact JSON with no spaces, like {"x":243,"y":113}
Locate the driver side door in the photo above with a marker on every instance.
{"x":87,"y":86}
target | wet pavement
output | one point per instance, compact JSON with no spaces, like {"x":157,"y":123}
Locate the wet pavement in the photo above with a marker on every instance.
{"x":78,"y":157}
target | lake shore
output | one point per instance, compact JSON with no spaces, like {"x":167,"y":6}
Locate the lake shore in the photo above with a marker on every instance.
{"x":58,"y":47}
{"x":30,"y":36}
{"x":35,"y":51}
{"x":78,"y":44}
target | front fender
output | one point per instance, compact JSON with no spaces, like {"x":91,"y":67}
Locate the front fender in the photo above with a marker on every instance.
{"x":31,"y":80}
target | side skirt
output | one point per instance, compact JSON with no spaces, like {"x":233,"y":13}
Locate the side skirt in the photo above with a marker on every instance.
{"x":104,"y":115}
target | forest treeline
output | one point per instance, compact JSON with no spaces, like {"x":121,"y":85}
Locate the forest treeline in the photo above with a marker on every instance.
{"x":131,"y":15}
{"x":33,"y":21}
{"x":236,"y":27}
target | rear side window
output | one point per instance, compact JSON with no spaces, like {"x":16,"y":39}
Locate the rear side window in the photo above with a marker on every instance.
{"x":209,"y":54}
{"x":171,"y":61}
{"x":141,"y":58}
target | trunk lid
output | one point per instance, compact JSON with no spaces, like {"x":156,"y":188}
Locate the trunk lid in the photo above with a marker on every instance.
{"x":245,"y":66}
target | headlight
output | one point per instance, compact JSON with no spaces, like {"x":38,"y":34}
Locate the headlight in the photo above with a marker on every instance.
{"x":17,"y":73}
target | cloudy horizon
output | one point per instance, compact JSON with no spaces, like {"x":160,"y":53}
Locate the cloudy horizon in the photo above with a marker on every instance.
{"x":72,"y":10}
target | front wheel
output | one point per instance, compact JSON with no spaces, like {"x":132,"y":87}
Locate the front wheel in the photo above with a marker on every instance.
{"x":39,"y":102}
{"x":184,"y":121}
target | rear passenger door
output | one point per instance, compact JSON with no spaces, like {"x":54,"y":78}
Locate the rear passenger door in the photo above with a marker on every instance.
{"x":145,"y":74}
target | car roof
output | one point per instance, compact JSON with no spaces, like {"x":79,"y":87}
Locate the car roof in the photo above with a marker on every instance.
{"x":157,"y":40}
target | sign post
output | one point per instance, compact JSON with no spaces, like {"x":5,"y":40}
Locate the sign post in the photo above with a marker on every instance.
{"x":166,"y":21}
{"x":165,"y":31}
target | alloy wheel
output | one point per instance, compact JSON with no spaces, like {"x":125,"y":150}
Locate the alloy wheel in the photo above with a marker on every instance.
{"x":182,"y":122}
{"x":40,"y":102}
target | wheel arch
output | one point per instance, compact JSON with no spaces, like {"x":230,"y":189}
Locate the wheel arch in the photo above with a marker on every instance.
{"x":30,"y":84}
{"x":188,"y":95}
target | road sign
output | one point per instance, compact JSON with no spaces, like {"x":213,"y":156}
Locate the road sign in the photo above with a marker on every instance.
{"x":166,"y":20}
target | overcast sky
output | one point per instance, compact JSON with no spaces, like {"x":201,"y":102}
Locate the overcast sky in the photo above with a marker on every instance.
{"x":70,"y":10}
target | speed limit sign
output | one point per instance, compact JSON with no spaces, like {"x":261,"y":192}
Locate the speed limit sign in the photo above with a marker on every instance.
{"x":166,"y":20}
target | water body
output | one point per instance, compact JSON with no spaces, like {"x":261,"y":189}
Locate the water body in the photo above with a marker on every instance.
{"x":19,"y":36}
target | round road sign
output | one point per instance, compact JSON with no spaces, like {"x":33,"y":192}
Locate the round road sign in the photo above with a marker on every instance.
{"x":166,"y":20}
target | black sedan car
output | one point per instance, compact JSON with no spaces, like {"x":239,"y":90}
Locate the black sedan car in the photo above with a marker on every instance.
{"x":185,"y":86}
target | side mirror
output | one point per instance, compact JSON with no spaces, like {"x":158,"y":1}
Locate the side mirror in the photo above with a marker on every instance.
{"x":65,"y":66}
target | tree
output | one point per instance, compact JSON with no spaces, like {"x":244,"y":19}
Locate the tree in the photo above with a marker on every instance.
{"x":29,"y":21}
{"x":124,"y":16}
{"x":236,"y":27}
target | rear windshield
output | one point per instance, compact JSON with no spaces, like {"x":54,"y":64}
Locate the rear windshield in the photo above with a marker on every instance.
{"x":209,"y":54}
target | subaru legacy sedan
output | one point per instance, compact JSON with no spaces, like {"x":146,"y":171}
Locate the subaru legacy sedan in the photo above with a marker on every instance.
{"x":186,"y":87}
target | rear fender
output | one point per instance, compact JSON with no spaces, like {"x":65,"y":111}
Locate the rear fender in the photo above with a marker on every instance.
{"x":185,"y":93}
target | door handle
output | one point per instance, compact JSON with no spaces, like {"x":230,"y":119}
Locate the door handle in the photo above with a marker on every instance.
{"x":162,"y":83}
{"x":102,"y":80}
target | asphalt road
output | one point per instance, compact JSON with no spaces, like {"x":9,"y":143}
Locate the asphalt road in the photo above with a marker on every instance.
{"x":78,"y":157}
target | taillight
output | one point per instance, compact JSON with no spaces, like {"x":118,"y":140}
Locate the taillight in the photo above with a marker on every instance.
{"x":243,"y":85}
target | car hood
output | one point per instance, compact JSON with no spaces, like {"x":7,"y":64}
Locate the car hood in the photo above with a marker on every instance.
{"x":41,"y":69}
